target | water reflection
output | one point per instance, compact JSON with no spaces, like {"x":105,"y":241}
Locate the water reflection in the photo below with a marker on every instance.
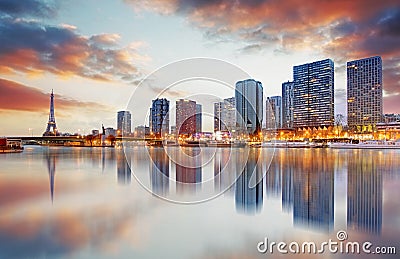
{"x":124,"y":172}
{"x":188,"y":170}
{"x":248,"y":190}
{"x":364,"y":193}
{"x":159,"y":171}
{"x":223,"y":176}
{"x":287,"y":180}
{"x":51,"y":169}
{"x":313,"y":190}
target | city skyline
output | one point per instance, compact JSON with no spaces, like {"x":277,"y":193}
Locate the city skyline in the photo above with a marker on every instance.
{"x":93,"y":54}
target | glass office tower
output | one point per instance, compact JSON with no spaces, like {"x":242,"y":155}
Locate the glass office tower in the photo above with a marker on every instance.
{"x":364,"y":93}
{"x":249,"y":106}
{"x":313,"y":94}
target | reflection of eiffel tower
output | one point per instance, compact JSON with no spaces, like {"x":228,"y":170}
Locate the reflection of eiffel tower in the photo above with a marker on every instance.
{"x":51,"y":129}
{"x":51,"y":167}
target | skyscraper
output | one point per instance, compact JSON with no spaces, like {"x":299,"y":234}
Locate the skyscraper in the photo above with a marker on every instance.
{"x":225,"y":115}
{"x":287,"y":104}
{"x":273,"y":112}
{"x":364,"y":93}
{"x":198,"y":118}
{"x":185,"y":117}
{"x":313,"y":94}
{"x":160,"y":117}
{"x":249,"y":106}
{"x":124,"y":123}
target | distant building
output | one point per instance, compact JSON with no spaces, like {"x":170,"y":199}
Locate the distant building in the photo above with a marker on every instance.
{"x":124,"y":122}
{"x":225,"y":115}
{"x":313,"y":94}
{"x":364,"y":93}
{"x":198,"y":118}
{"x":273,"y":112}
{"x":160,"y":117}
{"x":287,"y":104}
{"x":185,"y":117}
{"x":391,"y":118}
{"x":110,"y":132}
{"x":95,"y":132}
{"x":249,"y":106}
{"x":142,"y":131}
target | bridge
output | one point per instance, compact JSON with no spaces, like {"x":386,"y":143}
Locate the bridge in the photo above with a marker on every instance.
{"x":70,"y":140}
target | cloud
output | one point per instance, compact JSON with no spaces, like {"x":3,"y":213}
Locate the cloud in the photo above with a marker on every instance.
{"x":341,"y":30}
{"x":19,"y":97}
{"x":33,"y":48}
{"x":34,"y":8}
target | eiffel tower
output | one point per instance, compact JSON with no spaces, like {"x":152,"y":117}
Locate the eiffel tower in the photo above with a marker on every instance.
{"x":51,"y":129}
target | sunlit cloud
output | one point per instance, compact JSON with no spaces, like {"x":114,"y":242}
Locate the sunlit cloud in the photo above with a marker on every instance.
{"x":341,"y":30}
{"x":19,"y":97}
{"x":31,"y":47}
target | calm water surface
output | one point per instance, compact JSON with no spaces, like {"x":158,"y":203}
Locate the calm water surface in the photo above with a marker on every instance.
{"x":59,"y":202}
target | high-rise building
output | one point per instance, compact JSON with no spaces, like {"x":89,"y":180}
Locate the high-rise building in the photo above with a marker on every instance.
{"x":225,"y":115}
{"x":198,"y":118}
{"x":124,"y":122}
{"x":160,"y":117}
{"x":273,"y":112}
{"x":287,"y":104}
{"x":313,"y":94}
{"x":249,"y":106}
{"x":185,"y":117}
{"x":364,"y":92}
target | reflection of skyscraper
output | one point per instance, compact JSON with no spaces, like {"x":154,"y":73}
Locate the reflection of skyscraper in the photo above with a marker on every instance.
{"x":249,"y":184}
{"x":159,"y":172}
{"x":185,"y":117}
{"x":249,"y":106}
{"x":313,"y":190}
{"x":219,"y":166}
{"x":51,"y":168}
{"x":313,"y":94}
{"x":123,"y":169}
{"x":364,"y":193}
{"x":286,"y":157}
{"x":188,"y":170}
{"x":273,"y":180}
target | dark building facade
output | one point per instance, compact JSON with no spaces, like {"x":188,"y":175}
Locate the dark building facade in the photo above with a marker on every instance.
{"x":313,"y":94}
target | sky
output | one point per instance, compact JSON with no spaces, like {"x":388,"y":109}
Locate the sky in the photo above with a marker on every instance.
{"x":94,"y":54}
